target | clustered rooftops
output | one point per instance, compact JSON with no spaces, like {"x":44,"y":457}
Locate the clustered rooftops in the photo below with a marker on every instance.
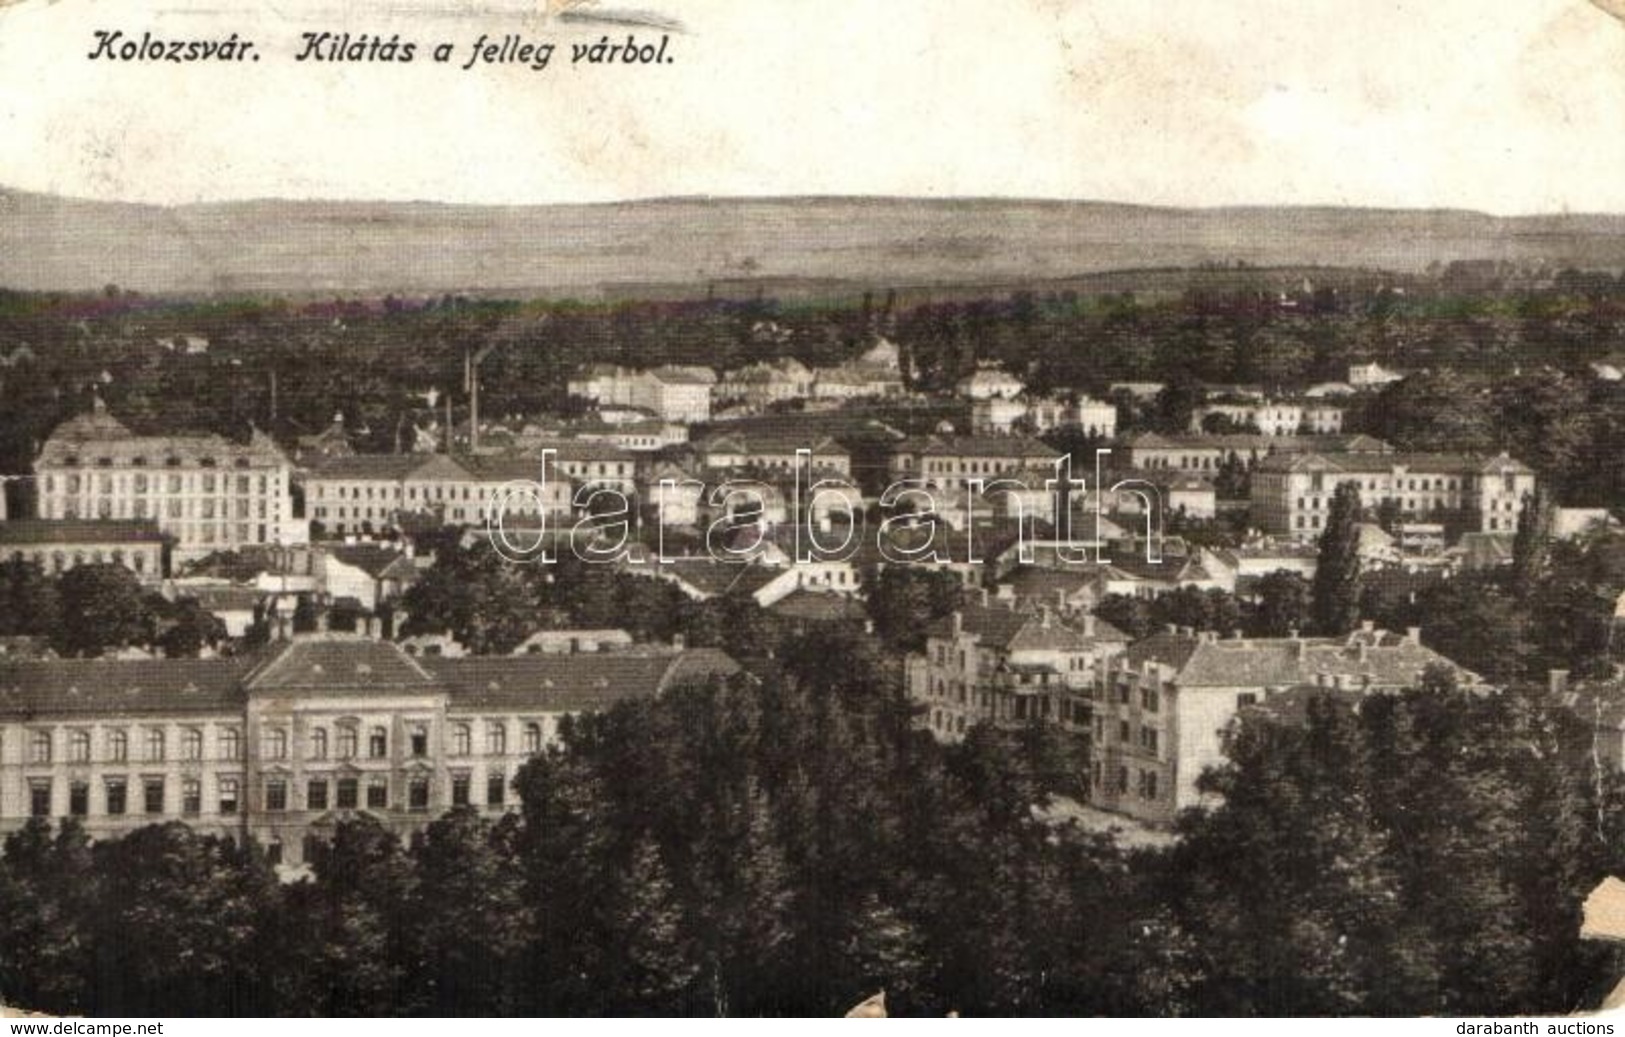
{"x":344,"y":667}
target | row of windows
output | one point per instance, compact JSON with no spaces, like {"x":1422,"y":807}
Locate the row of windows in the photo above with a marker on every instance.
{"x":1148,"y":781}
{"x":346,"y":794}
{"x":115,"y":797}
{"x":274,"y":743}
{"x":140,"y":483}
{"x":41,"y":745}
{"x":177,"y":508}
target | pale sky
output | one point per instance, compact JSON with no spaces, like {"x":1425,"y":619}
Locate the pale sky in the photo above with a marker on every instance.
{"x":1510,"y":107}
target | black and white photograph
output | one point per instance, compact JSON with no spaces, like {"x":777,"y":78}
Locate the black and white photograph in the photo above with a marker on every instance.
{"x":731,"y":510}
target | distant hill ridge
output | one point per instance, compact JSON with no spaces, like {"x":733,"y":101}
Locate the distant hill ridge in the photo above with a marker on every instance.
{"x":323,"y":247}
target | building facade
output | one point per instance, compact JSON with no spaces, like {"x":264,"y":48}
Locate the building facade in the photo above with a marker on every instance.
{"x":283,"y":745}
{"x":1292,"y":494}
{"x":57,"y":546}
{"x":1161,"y":709}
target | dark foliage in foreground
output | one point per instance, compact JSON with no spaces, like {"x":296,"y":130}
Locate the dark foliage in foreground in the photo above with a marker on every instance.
{"x":787,"y":844}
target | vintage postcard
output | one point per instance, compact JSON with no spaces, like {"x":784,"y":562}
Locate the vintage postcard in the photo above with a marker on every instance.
{"x":739,"y":508}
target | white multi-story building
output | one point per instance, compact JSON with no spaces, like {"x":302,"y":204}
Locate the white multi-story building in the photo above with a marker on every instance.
{"x":1292,"y":493}
{"x":1160,"y":710}
{"x":283,"y":745}
{"x":206,"y":492}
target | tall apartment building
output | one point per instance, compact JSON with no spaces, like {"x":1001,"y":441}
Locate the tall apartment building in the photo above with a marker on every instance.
{"x":283,"y":745}
{"x":1002,"y":666}
{"x":1161,"y":709}
{"x":205,"y":491}
{"x":1292,"y":493}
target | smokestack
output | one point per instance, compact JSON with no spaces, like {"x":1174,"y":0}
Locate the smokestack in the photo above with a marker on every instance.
{"x":1557,"y":681}
{"x":959,"y":623}
{"x":1413,"y":635}
{"x":1088,"y":624}
{"x":679,"y":642}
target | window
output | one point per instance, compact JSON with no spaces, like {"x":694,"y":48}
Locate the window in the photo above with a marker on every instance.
{"x":318,"y":744}
{"x":39,"y":799}
{"x":347,"y":742}
{"x":116,"y":796}
{"x":459,"y":790}
{"x":378,"y":794}
{"x":191,"y":797}
{"x":1245,"y":699}
{"x":79,"y":746}
{"x":417,"y":794}
{"x":1150,"y":699}
{"x":231,"y":743}
{"x":1148,"y":784}
{"x":152,"y":795}
{"x":39,"y":747}
{"x":78,"y":799}
{"x":155,"y":744}
{"x":1123,"y":732}
{"x":496,"y":789}
{"x":192,"y":744}
{"x":276,"y":744}
{"x":1148,"y":739}
{"x":532,"y":738}
{"x":377,"y":743}
{"x":1122,"y":780}
{"x":276,"y":795}
{"x":496,"y":738}
{"x":347,"y":793}
{"x":118,"y":746}
{"x":462,"y":740}
{"x":316,"y":795}
{"x":420,"y":740}
{"x":228,"y":795}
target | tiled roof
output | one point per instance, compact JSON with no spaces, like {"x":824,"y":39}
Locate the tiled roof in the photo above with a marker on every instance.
{"x":111,"y":439}
{"x":340,"y":665}
{"x":989,"y":446}
{"x":1008,"y":629}
{"x":114,"y":687}
{"x":48,"y":689}
{"x":712,"y":578}
{"x":80,"y":531}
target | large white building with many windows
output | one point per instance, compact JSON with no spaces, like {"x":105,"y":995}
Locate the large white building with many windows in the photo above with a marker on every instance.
{"x":208,"y":493}
{"x":281,"y":745}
